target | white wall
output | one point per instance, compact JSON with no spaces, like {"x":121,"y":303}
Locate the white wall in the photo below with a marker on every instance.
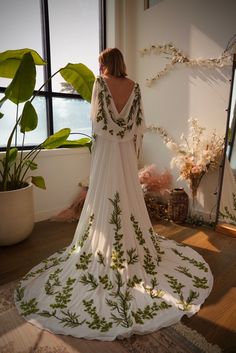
{"x":201,"y":29}
{"x":62,"y":170}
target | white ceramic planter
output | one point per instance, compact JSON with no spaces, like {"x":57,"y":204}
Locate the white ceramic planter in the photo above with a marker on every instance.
{"x":16,"y":215}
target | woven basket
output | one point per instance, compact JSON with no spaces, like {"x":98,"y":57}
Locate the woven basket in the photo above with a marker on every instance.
{"x":156,"y":206}
{"x":178,"y":205}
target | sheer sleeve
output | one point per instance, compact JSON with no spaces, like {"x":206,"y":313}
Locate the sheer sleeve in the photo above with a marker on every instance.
{"x":94,"y":103}
{"x":141,"y":128}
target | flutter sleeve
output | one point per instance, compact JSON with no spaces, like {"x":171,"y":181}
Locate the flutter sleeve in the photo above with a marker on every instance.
{"x":140,"y":124}
{"x":94,"y":103}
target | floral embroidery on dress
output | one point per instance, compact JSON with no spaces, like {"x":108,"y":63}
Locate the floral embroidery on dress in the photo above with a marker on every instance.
{"x":134,"y":115}
{"x":120,"y":296}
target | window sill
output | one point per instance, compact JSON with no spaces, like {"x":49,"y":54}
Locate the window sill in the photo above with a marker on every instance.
{"x":59,"y":152}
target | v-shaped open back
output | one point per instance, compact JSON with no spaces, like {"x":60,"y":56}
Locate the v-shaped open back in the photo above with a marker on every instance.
{"x":114,"y":125}
{"x":114,"y":103}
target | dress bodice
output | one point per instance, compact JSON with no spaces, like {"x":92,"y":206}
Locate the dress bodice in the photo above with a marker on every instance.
{"x":111,"y":124}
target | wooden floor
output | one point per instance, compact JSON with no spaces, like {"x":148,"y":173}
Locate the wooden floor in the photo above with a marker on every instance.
{"x":217,"y":318}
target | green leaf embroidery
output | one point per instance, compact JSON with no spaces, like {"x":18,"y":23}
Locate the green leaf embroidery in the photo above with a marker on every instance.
{"x":199,"y":264}
{"x":117,"y":252}
{"x":197,"y":281}
{"x":97,"y":323}
{"x":107,"y":284}
{"x":132,"y":256}
{"x":86,"y":233}
{"x":200,"y":282}
{"x":122,"y":303}
{"x":89,"y":280}
{"x":101,"y":259}
{"x":64,"y":297}
{"x":71,"y":319}
{"x":29,"y":307}
{"x":46,"y":313}
{"x":52,"y":282}
{"x":138,"y":232}
{"x":184,"y":270}
{"x":19,"y":293}
{"x":152,"y":291}
{"x":156,"y":243}
{"x":132,"y":282}
{"x":149,"y":264}
{"x":84,"y":261}
{"x":50,"y":262}
{"x":177,"y":286}
{"x":228,"y":214}
{"x":149,"y":312}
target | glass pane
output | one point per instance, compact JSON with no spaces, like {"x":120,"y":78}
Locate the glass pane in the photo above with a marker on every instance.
{"x":72,"y":113}
{"x":232,"y":125}
{"x":233,"y":101}
{"x":21,"y":28}
{"x":74,"y":32}
{"x":7,"y":123}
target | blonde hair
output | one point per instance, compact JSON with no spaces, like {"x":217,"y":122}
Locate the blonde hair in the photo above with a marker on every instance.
{"x":113,"y":62}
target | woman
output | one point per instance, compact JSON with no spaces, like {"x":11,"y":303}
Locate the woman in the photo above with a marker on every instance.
{"x":117,"y":277}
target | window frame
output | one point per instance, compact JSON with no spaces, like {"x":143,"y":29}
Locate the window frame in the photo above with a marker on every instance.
{"x":48,"y":93}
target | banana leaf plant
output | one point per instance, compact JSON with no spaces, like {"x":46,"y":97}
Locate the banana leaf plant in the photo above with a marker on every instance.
{"x":20,"y":66}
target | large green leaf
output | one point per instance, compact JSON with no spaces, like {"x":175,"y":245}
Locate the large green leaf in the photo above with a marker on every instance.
{"x":10,"y":61}
{"x":29,"y":118}
{"x":57,"y":139}
{"x":22,"y":86}
{"x":38,"y":181}
{"x":31,"y":164}
{"x":10,"y":159}
{"x":81,"y":78}
{"x":85,"y":141}
{"x":12,"y":155}
{"x":4,"y":98}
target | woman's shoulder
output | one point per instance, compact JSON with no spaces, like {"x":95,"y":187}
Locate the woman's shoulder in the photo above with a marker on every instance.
{"x":98,"y":78}
{"x":98,"y":82}
{"x":130,"y":83}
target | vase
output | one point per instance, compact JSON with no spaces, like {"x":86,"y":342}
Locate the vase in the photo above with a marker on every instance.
{"x":16,"y":215}
{"x":194,"y":181}
{"x":178,"y":205}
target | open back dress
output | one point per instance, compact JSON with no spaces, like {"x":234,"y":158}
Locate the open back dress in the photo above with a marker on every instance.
{"x":117,"y":277}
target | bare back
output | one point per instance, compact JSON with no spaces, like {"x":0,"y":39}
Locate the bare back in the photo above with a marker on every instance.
{"x":120,"y":89}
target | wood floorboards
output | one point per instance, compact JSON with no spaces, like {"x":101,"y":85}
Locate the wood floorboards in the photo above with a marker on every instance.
{"x":216,"y":320}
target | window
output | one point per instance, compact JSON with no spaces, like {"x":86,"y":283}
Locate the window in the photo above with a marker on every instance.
{"x":150,"y":3}
{"x":61,"y":32}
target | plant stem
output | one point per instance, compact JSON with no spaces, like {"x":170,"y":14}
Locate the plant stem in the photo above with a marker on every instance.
{"x":6,"y":162}
{"x":80,"y":133}
{"x":44,"y":84}
{"x":35,"y":151}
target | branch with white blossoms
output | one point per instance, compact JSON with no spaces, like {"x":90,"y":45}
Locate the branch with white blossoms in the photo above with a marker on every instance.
{"x":167,"y":139}
{"x":176,"y":56}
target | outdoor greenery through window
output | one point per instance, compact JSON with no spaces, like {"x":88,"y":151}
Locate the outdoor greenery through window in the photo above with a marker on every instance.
{"x":61,"y":32}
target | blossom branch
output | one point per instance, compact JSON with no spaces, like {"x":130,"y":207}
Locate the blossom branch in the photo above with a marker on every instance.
{"x":176,"y":56}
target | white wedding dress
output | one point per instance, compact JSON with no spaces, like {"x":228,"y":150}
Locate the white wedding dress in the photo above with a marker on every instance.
{"x":117,"y":277}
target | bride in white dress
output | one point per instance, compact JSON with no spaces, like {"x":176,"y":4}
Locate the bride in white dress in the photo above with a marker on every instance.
{"x":117,"y":277}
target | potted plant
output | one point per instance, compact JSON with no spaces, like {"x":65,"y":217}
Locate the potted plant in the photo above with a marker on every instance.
{"x":16,"y":200}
